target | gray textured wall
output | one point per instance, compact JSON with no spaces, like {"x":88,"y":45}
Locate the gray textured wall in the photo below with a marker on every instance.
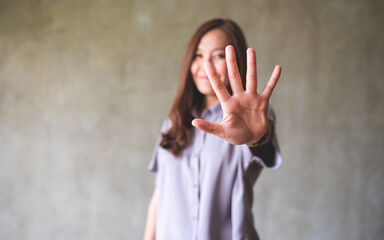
{"x":85,"y":85}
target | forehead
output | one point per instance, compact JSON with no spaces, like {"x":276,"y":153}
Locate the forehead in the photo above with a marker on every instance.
{"x":215,"y":38}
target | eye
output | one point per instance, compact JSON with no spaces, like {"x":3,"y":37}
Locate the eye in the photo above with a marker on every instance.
{"x":198,"y":55}
{"x":221,"y":55}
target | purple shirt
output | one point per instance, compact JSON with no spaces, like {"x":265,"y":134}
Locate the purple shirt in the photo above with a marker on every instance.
{"x":207,"y":193}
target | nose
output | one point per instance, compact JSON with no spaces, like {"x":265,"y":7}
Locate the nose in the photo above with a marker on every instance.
{"x":207,"y":58}
{"x":200,"y":64}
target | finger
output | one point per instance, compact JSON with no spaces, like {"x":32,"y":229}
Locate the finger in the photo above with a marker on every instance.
{"x":251,"y":71}
{"x":268,"y":89}
{"x":209,"y":127}
{"x":233,"y":70}
{"x":217,"y":85}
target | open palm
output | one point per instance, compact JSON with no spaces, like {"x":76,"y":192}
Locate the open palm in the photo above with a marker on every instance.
{"x":245,"y":111}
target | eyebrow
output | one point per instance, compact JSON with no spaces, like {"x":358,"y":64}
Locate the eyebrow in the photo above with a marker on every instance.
{"x":216,"y":49}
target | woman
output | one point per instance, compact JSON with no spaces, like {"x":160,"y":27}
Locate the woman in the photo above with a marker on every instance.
{"x":216,"y":140}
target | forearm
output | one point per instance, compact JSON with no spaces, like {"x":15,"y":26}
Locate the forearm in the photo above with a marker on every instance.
{"x":266,"y":150}
{"x":150,"y":227}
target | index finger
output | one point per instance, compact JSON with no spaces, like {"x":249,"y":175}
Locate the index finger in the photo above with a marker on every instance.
{"x":217,"y":85}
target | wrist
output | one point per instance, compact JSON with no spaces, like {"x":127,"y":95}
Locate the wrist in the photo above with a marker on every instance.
{"x":265,"y":138}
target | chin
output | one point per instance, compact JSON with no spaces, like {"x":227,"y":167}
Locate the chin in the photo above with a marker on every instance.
{"x":206,"y":91}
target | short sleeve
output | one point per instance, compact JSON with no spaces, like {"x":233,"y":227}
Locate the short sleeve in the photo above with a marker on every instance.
{"x":154,"y":164}
{"x":276,"y":162}
{"x":155,"y":161}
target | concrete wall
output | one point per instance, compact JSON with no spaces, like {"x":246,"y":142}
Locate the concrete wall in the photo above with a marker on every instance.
{"x":85,"y":85}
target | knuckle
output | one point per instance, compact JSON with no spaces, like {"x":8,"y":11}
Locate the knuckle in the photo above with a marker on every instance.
{"x":235,"y":75}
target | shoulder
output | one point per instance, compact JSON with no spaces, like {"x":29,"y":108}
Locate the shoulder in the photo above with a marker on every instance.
{"x":167,"y":124}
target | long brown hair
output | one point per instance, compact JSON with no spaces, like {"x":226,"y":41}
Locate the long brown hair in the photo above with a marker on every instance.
{"x":177,"y":138}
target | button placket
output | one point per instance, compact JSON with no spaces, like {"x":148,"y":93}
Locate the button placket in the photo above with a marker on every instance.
{"x":199,"y":141}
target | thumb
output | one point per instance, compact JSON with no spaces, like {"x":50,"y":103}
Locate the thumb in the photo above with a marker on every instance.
{"x":209,"y":127}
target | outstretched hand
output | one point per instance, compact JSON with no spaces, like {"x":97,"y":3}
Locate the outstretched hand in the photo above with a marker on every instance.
{"x":245,"y":111}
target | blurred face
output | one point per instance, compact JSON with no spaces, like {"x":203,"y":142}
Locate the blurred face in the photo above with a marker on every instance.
{"x":211,"y":48}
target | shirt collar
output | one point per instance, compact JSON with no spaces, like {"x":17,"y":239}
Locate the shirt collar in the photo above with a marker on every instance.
{"x":214,"y":109}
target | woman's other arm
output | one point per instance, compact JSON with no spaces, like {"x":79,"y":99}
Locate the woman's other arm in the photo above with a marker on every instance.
{"x":150,"y":227}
